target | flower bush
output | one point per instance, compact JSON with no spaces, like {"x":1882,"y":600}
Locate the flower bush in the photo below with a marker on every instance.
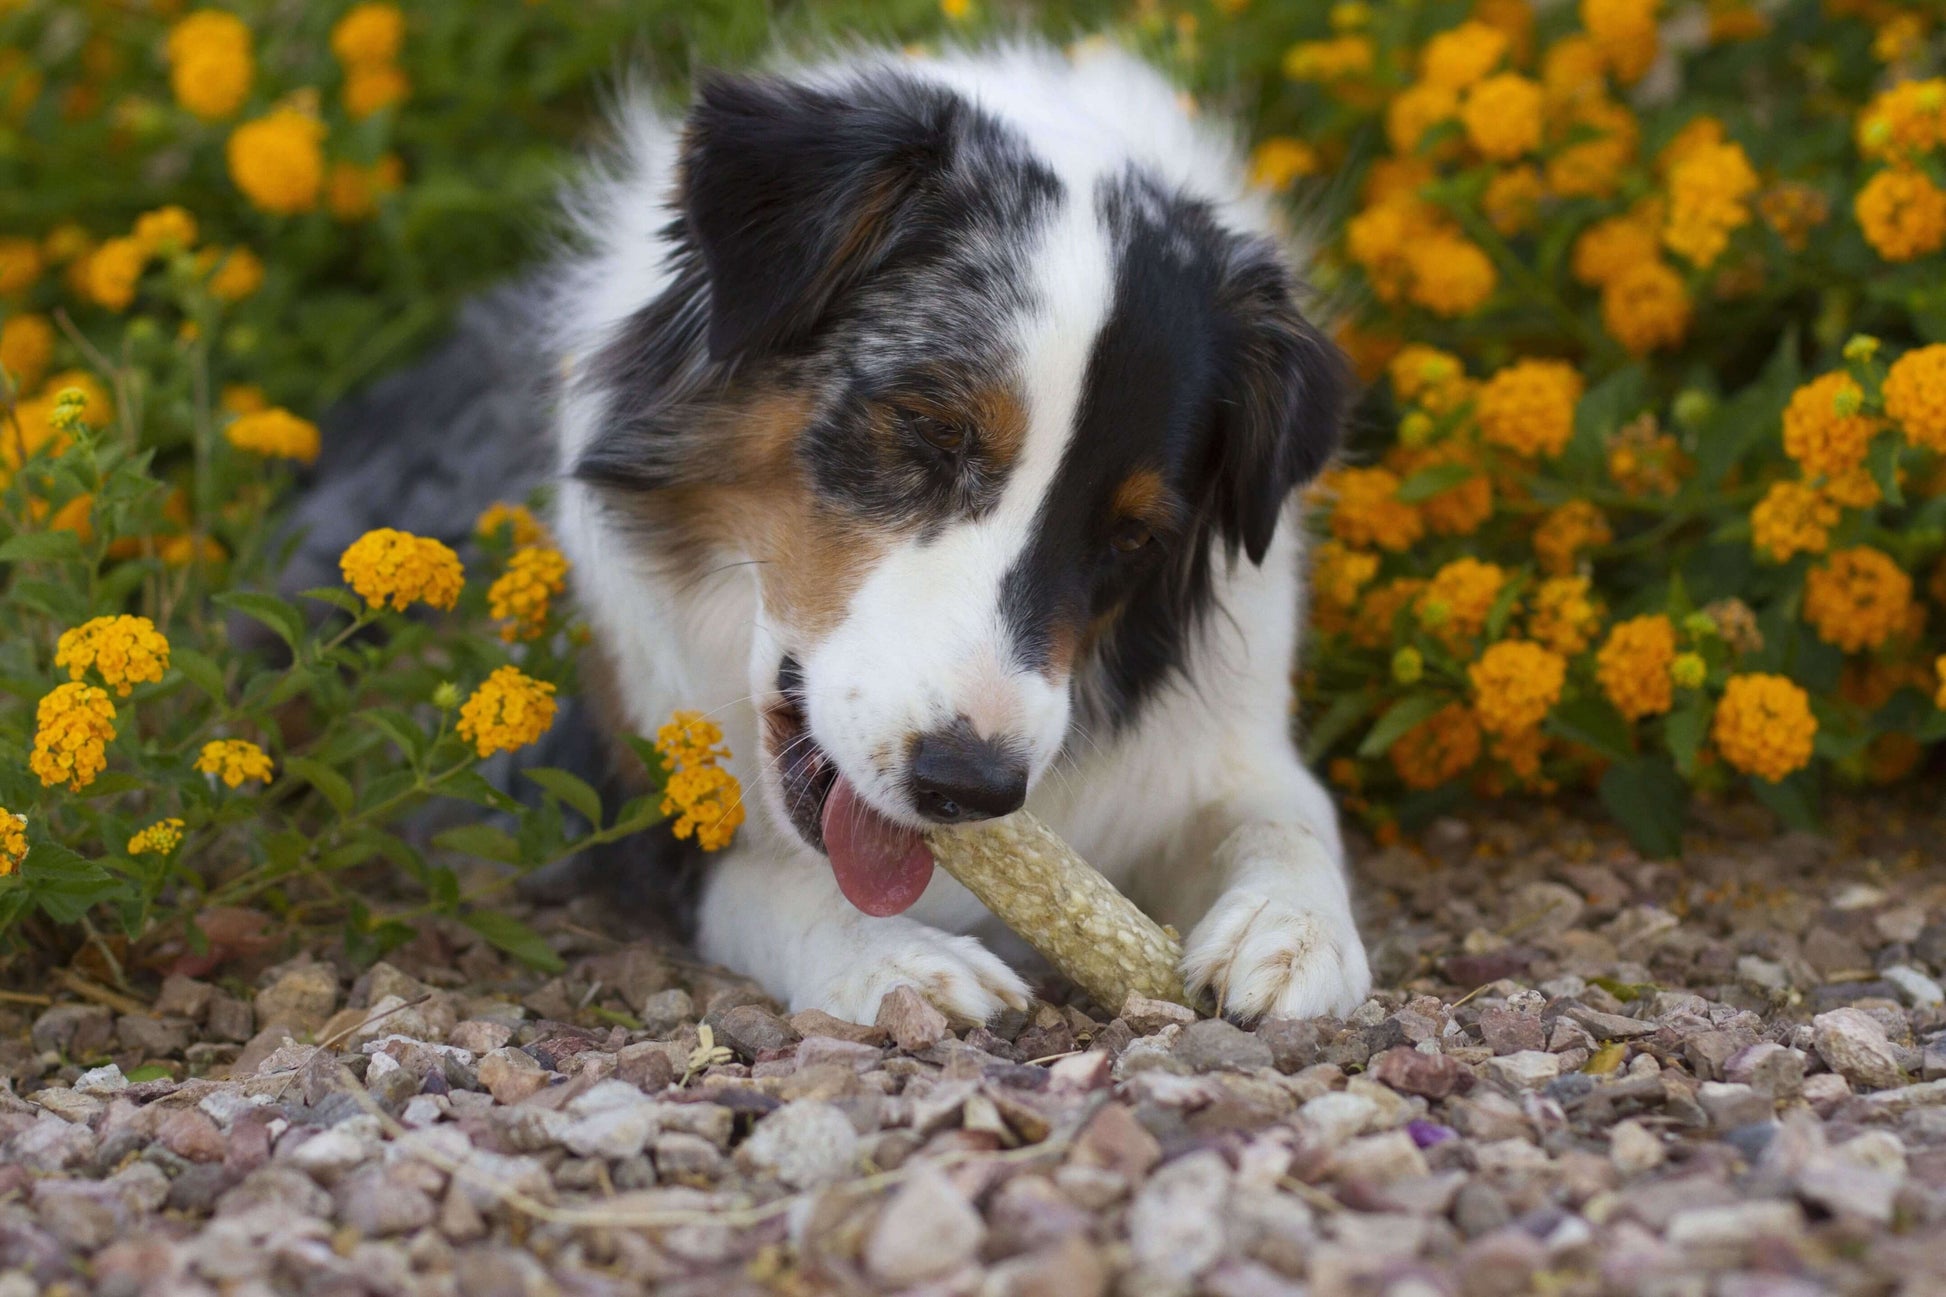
{"x":1697,"y":368}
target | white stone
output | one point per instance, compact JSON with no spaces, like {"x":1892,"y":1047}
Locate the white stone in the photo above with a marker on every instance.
{"x":101,"y":1081}
{"x":1920,"y":991}
{"x":1336,"y":1117}
{"x":1634,"y":1149}
{"x":927,"y":1230}
{"x":1736,"y":1225}
{"x":328,"y":1154}
{"x":1178,"y":1223}
{"x":1527,"y":1069}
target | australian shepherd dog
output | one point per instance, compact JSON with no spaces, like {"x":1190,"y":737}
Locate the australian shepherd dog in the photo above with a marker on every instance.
{"x":934,"y":424}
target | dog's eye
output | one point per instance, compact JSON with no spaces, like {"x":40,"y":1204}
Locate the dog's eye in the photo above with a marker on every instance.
{"x":946,"y":438}
{"x":1130,"y":536}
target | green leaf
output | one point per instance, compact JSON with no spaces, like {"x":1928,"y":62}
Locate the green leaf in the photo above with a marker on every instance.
{"x":335,"y":787}
{"x":511,"y":935}
{"x":400,"y":728}
{"x":1346,"y":710}
{"x":41,"y":547}
{"x":200,"y":670}
{"x":273,"y":612}
{"x":1793,"y":801}
{"x":1593,"y":721}
{"x":1650,"y":801}
{"x":472,"y":786}
{"x":570,"y":789}
{"x":336,"y":597}
{"x":1883,"y":460}
{"x":65,"y":885}
{"x":481,"y":840}
{"x":1431,"y":480}
{"x":638,"y":813}
{"x":1401,"y":717}
{"x":1685,"y":731}
{"x":113,"y":784}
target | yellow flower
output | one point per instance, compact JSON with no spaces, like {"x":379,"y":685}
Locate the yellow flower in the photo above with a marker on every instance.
{"x":703,"y":796}
{"x":1378,"y":617}
{"x":1455,"y":603}
{"x":353,"y":192}
{"x":1460,"y":509}
{"x":158,"y":839}
{"x":233,"y":761}
{"x":1450,"y":275}
{"x":1633,"y":664}
{"x":368,"y":33}
{"x":124,"y":651}
{"x":508,"y":711}
{"x":238,"y":273}
{"x":1502,"y":116}
{"x":1764,"y":726}
{"x":275,"y":432}
{"x":1904,"y":121}
{"x":393,"y":566}
{"x":1689,"y":670}
{"x":1515,"y":682}
{"x":1378,"y":239}
{"x":166,"y":229}
{"x":1528,"y":407}
{"x":278,"y":161}
{"x":243,"y":398}
{"x":1939,"y":667}
{"x":1898,"y":38}
{"x":1915,"y":395}
{"x":1564,"y":616}
{"x":524,"y":528}
{"x":1823,"y":441}
{"x":1338,"y":59}
{"x":1566,"y":531}
{"x":1645,"y":308}
{"x":956,"y":10}
{"x":20,"y":265}
{"x":180,"y":551}
{"x":1592,"y":166}
{"x":374,"y":86}
{"x":210,"y":65}
{"x":519,"y":599}
{"x":1438,"y":749}
{"x":1279,"y":160}
{"x":1792,"y":518}
{"x":114,"y":270}
{"x":1709,"y":189}
{"x":13,"y":840}
{"x":1625,"y":32}
{"x":1902,"y":213}
{"x":1414,"y":111}
{"x":1512,"y":200}
{"x":1614,"y":244}
{"x":1793,"y":209}
{"x":1456,"y":59}
{"x":74,"y":725}
{"x":1430,"y":378}
{"x":1367,"y":511}
{"x":690,"y":739}
{"x":26,"y":346}
{"x":1858,"y":598}
{"x":1338,"y":574}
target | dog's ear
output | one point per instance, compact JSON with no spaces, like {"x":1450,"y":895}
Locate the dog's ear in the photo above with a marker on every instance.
{"x":1281,"y":395}
{"x":793,"y":194}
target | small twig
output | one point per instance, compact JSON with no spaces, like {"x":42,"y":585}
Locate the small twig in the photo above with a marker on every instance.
{"x":100,"y":994}
{"x":24,"y":997}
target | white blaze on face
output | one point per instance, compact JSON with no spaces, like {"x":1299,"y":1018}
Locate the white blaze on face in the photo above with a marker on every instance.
{"x":925,"y":640}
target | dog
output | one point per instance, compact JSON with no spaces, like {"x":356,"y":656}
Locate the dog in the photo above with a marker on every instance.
{"x":934,"y":425}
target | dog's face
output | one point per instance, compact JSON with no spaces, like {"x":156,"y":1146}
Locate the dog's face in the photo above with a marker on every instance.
{"x":979,"y":420}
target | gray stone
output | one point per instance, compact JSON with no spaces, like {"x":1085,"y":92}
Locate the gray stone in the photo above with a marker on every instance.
{"x":511,"y":1075}
{"x":804,"y":1143}
{"x":1853,"y":1044}
{"x":1178,"y":1224}
{"x":1634,"y":1149}
{"x":1767,"y":1067}
{"x":183,"y":997}
{"x":101,"y":1081}
{"x":303,"y":998}
{"x":1146,"y":1017}
{"x":1212,"y":1044}
{"x":377,"y":1204}
{"x":1527,"y":1069}
{"x":1918,"y":990}
{"x":1729,"y":1105}
{"x":927,"y":1230}
{"x":74,"y":1031}
{"x":751,"y":1030}
{"x":666,"y":1010}
{"x":1072,"y":1267}
{"x":1735,"y":1225}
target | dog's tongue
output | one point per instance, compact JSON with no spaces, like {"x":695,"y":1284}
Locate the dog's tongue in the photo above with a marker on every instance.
{"x":882,"y":867}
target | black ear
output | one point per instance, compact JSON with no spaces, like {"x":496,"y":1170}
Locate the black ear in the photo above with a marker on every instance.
{"x":794,"y":194}
{"x":1280,"y":398}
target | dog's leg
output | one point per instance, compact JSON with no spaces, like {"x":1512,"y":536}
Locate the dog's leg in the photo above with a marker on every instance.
{"x":785,"y":923}
{"x":1279,"y":937}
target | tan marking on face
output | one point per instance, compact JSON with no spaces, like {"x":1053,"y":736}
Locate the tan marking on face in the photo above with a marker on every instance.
{"x":1144,"y":497}
{"x":810,"y":560}
{"x":993,"y":415}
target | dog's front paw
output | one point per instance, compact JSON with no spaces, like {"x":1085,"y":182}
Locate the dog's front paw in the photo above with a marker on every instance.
{"x":1260,"y":955}
{"x":957,"y":974}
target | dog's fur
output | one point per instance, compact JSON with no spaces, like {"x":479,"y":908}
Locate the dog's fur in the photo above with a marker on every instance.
{"x":966,"y":396}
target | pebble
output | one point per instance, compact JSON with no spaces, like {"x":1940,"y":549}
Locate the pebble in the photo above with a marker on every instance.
{"x":1527,"y":1069}
{"x":1178,"y":1222}
{"x":1634,"y":1149}
{"x":910,"y":1020}
{"x":1146,"y":1016}
{"x":303,"y":998}
{"x":1211,"y":1044}
{"x":927,"y":1229}
{"x":806,"y":1142}
{"x":511,"y":1075}
{"x":1918,"y":990}
{"x":1853,"y":1044}
{"x":1735,"y":1225}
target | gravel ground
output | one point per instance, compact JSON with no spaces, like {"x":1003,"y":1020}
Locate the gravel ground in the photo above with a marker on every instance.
{"x":1587,"y":1073}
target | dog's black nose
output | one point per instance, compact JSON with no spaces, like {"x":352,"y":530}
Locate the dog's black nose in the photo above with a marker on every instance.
{"x":957,"y":776}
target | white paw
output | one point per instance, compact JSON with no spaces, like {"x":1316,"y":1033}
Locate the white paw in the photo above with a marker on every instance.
{"x":1259,"y":955}
{"x":961,"y":977}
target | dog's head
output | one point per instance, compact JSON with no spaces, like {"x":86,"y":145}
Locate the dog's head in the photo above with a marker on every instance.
{"x":987,"y":416}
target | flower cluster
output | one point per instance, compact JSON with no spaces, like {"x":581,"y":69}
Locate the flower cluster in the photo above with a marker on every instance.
{"x":158,"y":839}
{"x":124,"y":651}
{"x":519,"y":599}
{"x":388,"y":566}
{"x":507,"y":712}
{"x":704,"y":798}
{"x":274,"y":433}
{"x":74,"y":725}
{"x":13,"y":841}
{"x":234,"y":761}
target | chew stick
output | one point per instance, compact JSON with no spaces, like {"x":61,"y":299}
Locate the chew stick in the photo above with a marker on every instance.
{"x":1034,"y":883}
